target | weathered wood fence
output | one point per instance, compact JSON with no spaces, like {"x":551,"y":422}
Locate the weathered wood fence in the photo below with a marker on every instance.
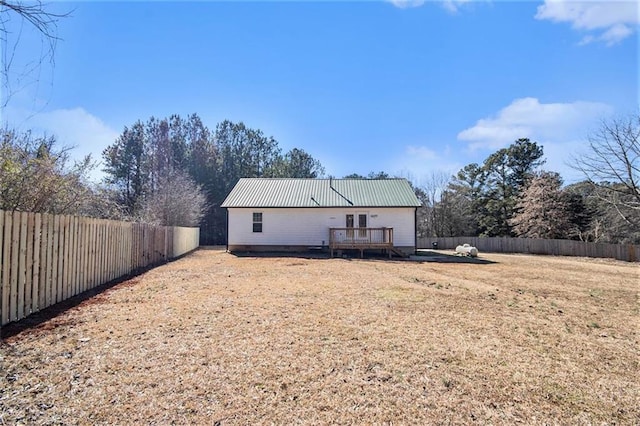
{"x":45,"y":259}
{"x":627,"y":252}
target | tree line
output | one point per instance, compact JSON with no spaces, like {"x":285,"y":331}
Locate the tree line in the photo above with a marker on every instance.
{"x":511,"y":195}
{"x":177,"y":171}
{"x":165,"y":171}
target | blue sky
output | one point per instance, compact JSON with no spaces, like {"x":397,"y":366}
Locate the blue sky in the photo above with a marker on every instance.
{"x":408,"y":87}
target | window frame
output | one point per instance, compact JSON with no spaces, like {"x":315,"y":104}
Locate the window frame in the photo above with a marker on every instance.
{"x":257,"y":225}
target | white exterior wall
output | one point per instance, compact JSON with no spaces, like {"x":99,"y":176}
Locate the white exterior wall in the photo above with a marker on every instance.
{"x":310,"y":226}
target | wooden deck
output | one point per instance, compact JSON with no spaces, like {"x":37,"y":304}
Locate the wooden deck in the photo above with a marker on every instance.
{"x":362,"y":239}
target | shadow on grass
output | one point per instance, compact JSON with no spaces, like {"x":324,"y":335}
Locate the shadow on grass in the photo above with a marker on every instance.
{"x":439,"y":257}
{"x":320,"y":254}
{"x":43,"y":319}
{"x":37,"y":319}
{"x":420,"y":256}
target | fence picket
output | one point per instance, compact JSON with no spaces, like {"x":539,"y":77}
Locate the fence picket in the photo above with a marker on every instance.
{"x":15,"y":274}
{"x":35,"y":291}
{"x":68,"y":243}
{"x":28,"y":291}
{"x":71,"y":259}
{"x":99,"y":244}
{"x":83,"y":254}
{"x":56,"y":262}
{"x":92,"y":253}
{"x":5,"y":253}
{"x":22,"y":264}
{"x":46,"y":261}
{"x":76,"y":256}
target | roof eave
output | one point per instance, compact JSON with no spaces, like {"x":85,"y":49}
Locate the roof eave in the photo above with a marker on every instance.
{"x":319,"y":207}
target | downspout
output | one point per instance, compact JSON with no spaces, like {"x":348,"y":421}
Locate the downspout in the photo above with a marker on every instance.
{"x":227,"y":224}
{"x":415,"y":230}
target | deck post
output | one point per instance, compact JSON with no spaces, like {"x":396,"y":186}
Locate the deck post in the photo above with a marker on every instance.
{"x":331,"y":241}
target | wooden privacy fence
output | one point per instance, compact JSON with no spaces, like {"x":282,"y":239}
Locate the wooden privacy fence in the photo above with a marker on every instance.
{"x":45,"y":259}
{"x":627,"y":252}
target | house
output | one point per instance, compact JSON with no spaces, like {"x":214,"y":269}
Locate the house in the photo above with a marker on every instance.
{"x":335,"y":214}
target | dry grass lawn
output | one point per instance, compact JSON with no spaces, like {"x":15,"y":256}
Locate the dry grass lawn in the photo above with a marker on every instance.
{"x":218,"y":339}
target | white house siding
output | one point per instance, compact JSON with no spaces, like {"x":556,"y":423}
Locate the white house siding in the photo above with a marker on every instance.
{"x":310,"y":226}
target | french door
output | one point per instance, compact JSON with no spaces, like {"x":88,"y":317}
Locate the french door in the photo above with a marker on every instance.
{"x":361,"y":223}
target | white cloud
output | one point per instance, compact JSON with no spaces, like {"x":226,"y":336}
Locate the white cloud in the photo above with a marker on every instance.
{"x":76,"y":128}
{"x":528,"y":118}
{"x":421,"y":152}
{"x":616,"y":33}
{"x":418,"y":162}
{"x":454,"y":5}
{"x":605,"y":21}
{"x":560,"y":128}
{"x":406,"y":4}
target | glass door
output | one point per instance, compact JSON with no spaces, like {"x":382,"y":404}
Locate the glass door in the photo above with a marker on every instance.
{"x":362,"y":223}
{"x":349,"y":224}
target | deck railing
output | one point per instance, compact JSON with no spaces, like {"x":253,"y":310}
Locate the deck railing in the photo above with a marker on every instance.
{"x":360,"y":238}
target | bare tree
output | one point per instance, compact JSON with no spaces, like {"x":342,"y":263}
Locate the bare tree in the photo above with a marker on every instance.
{"x":612,"y":166}
{"x":34,"y":15}
{"x":36,"y":176}
{"x":542,"y":210}
{"x":432,"y":216}
{"x":178,"y":201}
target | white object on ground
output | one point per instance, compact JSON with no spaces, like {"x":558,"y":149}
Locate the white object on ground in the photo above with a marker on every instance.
{"x":467,"y":250}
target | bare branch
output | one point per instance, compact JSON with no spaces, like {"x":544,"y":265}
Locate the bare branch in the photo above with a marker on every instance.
{"x":33,"y":15}
{"x":612,"y":166}
{"x":44,"y":21}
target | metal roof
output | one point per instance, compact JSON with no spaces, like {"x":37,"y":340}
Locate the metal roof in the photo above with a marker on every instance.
{"x":263,"y":192}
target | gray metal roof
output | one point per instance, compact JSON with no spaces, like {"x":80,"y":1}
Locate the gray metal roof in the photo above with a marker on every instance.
{"x":262,"y":192}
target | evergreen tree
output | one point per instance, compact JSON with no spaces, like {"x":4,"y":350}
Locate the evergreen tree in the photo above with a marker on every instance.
{"x":504,"y":176}
{"x":126,"y":165}
{"x":295,"y":164}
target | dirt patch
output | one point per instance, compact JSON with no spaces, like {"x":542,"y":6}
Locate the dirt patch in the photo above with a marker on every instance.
{"x":218,"y":339}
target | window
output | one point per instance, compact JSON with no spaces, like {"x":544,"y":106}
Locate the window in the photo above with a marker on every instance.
{"x":257,"y":222}
{"x":349,"y":221}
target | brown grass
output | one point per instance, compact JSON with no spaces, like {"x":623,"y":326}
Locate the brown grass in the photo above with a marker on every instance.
{"x":218,"y":339}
